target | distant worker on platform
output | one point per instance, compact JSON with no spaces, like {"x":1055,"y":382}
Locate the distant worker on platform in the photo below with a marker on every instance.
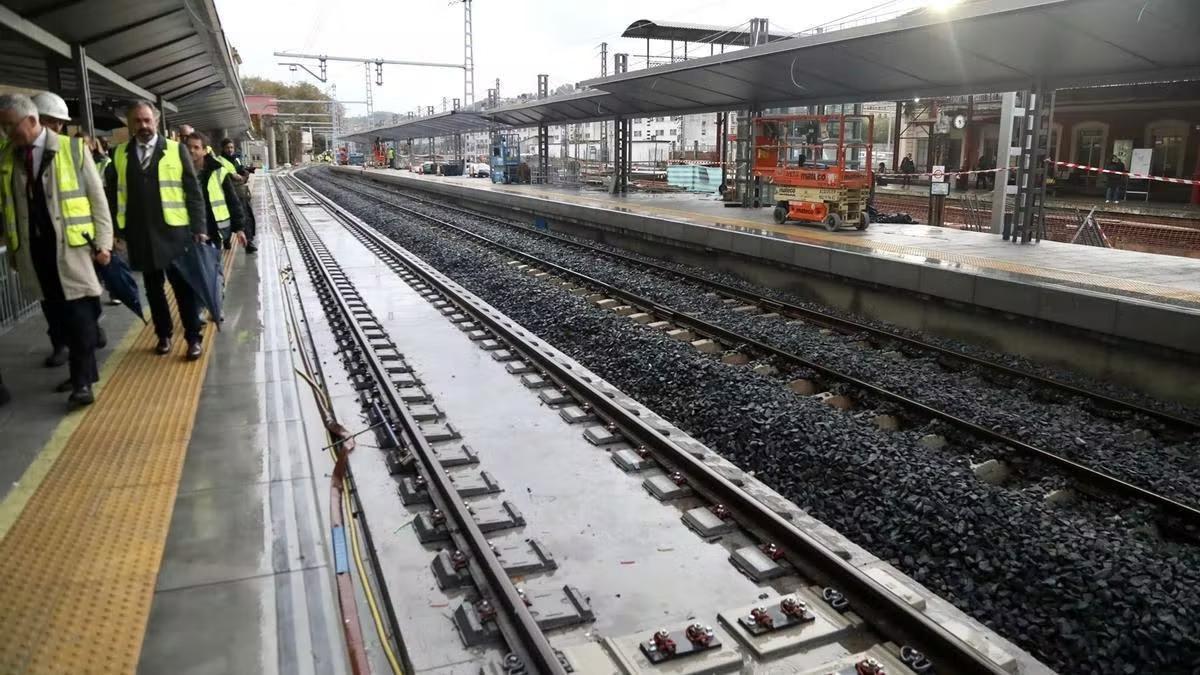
{"x":1115,"y":191}
{"x":983,"y":166}
{"x":232,"y":160}
{"x":391,"y":158}
{"x":223,"y":207}
{"x":159,"y":207}
{"x":907,"y":169}
{"x":54,"y":211}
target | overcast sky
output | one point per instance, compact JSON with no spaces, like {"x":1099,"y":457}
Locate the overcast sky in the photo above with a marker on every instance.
{"x":514,"y":39}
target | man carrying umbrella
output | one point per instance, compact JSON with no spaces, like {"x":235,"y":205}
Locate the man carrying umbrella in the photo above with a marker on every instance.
{"x":224,"y":208}
{"x":159,"y":209}
{"x":53,"y":205}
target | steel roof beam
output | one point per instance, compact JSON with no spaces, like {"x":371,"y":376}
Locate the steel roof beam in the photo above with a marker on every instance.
{"x":36,"y":34}
{"x":100,"y":37}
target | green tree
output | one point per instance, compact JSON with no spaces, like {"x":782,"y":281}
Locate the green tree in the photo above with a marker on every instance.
{"x":283,"y":90}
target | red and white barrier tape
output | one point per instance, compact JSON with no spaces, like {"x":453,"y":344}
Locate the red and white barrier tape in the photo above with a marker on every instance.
{"x":1135,"y":176}
{"x":1070,"y":165}
{"x":948,"y":174}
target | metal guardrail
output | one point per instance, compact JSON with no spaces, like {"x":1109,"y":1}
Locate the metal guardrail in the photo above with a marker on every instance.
{"x":15,"y":303}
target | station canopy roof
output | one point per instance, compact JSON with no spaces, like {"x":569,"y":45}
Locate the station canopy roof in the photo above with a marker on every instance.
{"x":442,"y":124}
{"x":971,"y":47}
{"x":693,"y":32}
{"x":578,"y":106}
{"x":170,"y":48}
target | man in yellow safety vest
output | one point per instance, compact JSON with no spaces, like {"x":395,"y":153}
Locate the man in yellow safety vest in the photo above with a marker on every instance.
{"x":53,"y":211}
{"x":224,"y":212}
{"x":159,"y":209}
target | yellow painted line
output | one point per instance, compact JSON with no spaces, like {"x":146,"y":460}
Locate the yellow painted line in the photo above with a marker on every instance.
{"x":16,"y":499}
{"x":80,"y":562}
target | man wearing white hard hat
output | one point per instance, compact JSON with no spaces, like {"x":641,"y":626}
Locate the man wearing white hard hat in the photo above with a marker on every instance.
{"x":53,"y":114}
{"x":52,"y":111}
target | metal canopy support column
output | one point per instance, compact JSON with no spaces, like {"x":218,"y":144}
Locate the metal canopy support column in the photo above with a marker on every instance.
{"x":1027,"y":222}
{"x":1008,"y":104}
{"x":604,"y":123}
{"x":543,"y":132}
{"x":722,"y":144}
{"x":272,"y":157}
{"x":468,"y":57}
{"x":747,"y":186}
{"x":621,"y":127}
{"x":79,"y":57}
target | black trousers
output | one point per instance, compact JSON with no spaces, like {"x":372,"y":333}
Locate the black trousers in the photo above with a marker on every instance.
{"x":185,"y":299}
{"x":81,"y":332}
{"x":58,"y":338}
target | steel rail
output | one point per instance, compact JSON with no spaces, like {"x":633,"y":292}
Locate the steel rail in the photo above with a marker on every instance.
{"x":1085,"y":474}
{"x":886,"y":611}
{"x":831,"y":320}
{"x":522,"y":634}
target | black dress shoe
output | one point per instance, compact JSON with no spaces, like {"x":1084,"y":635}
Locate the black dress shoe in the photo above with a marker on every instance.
{"x":82,"y":396}
{"x":101,"y":338}
{"x":251,"y":248}
{"x":58,"y":358}
{"x":163,"y":346}
{"x":64,"y":386}
{"x":195,"y":349}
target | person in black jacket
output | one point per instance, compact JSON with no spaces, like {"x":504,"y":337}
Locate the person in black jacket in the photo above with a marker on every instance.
{"x":159,"y":212}
{"x":226,"y":219}
{"x":907,"y":168}
{"x":231,"y":160}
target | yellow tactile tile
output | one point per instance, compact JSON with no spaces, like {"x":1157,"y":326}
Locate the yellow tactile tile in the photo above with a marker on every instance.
{"x":79,"y":565}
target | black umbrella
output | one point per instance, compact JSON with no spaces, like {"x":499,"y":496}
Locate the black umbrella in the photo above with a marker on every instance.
{"x":118,"y":279}
{"x":200,"y":266}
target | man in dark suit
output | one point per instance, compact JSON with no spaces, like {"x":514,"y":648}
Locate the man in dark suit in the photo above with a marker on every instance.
{"x":159,"y":211}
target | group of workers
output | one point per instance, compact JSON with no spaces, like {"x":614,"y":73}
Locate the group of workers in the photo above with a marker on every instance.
{"x":69,"y":206}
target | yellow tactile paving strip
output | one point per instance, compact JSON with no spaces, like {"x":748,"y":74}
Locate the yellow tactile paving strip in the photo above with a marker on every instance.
{"x":1102,"y":283}
{"x":79,"y":565}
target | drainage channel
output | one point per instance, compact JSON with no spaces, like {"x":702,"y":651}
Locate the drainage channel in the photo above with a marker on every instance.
{"x":780,"y":542}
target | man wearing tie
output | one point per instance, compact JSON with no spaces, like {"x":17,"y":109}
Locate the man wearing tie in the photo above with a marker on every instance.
{"x":53,"y":211}
{"x":159,"y":212}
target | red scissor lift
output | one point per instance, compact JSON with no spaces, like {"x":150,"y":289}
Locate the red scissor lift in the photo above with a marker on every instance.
{"x":819,"y":167}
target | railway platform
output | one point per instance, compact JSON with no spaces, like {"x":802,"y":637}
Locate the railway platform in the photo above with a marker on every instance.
{"x":174,"y":525}
{"x":1095,"y":298}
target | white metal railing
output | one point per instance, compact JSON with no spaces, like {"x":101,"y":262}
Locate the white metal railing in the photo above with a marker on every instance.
{"x":15,"y":303}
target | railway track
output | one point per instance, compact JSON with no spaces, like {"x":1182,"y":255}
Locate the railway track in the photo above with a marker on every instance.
{"x":843,"y":325}
{"x":366,"y":348}
{"x":1181,"y":519}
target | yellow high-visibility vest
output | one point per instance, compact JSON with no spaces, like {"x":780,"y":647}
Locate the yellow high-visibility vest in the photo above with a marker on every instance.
{"x":170,"y":185}
{"x":72,"y":197}
{"x":216,"y":198}
{"x":228,"y":165}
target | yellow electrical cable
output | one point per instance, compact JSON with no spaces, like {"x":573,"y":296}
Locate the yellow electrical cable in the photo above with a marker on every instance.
{"x":347,"y":517}
{"x":366,"y":582}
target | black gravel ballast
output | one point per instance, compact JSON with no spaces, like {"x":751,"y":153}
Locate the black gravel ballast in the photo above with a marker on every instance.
{"x":1078,"y":586}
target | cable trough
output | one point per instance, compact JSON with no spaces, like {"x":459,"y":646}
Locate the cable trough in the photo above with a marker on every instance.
{"x":846,"y":585}
{"x":1090,"y":478}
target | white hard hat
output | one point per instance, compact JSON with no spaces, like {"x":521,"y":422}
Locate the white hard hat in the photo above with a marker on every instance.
{"x":50,"y":104}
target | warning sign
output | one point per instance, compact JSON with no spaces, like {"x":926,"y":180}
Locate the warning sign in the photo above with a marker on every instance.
{"x":939,"y":174}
